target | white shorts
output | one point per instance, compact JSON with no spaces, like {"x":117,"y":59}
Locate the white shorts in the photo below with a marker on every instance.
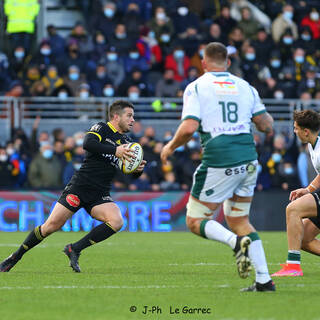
{"x":219,"y":184}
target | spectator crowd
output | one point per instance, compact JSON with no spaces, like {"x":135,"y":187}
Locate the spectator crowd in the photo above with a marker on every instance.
{"x":147,"y":48}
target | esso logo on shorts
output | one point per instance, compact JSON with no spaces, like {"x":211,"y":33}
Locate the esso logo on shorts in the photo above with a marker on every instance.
{"x":73,"y":200}
{"x":231,"y":171}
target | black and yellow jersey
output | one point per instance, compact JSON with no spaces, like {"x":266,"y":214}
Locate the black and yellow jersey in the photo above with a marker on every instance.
{"x":100,"y":163}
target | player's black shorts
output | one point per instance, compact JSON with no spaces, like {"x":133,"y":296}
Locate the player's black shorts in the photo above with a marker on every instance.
{"x":74,"y":197}
{"x":316,"y":220}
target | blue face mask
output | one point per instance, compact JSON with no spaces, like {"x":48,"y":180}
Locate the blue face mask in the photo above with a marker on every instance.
{"x":77,"y":166}
{"x":192,"y":144}
{"x":121,"y":35}
{"x":276,"y":157}
{"x":288,"y":170}
{"x":288,"y":15}
{"x":45,"y":51}
{"x":180,"y":149}
{"x":165,"y":38}
{"x":250,"y":56}
{"x":108,"y":92}
{"x":306,"y":37}
{"x":178,"y":54}
{"x":74,"y":76}
{"x":151,"y":35}
{"x":201,"y":53}
{"x":287,"y":40}
{"x":134,"y":55}
{"x":134,"y":95}
{"x":112,"y":56}
{"x":109,"y":13}
{"x":47,"y":154}
{"x":275,"y":63}
{"x":19,"y":54}
{"x":299,"y":59}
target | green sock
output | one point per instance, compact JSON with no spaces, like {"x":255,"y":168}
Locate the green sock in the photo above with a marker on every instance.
{"x":33,"y":239}
{"x":294,"y":257}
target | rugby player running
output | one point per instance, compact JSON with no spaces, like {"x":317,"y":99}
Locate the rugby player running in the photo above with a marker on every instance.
{"x":89,"y":188}
{"x":221,"y":107}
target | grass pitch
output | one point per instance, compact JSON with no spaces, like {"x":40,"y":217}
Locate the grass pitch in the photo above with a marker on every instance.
{"x":152,"y":274}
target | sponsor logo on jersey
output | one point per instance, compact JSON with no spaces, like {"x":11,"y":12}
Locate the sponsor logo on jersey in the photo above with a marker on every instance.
{"x":227,"y":86}
{"x":95,"y":127}
{"x":73,"y":200}
{"x":110,"y":141}
{"x":106,"y":198}
{"x":118,"y":142}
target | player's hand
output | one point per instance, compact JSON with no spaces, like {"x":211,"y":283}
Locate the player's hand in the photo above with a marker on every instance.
{"x":295,"y":194}
{"x":166,"y":152}
{"x":141,"y":166}
{"x":124,"y":153}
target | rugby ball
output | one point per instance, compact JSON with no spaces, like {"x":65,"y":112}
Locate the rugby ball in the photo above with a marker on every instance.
{"x":130,"y":166}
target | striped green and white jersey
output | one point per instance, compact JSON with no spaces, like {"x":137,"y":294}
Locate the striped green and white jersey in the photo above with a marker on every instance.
{"x":224,"y":105}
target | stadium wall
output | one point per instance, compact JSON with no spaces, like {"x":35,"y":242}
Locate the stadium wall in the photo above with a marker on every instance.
{"x":142,"y":211}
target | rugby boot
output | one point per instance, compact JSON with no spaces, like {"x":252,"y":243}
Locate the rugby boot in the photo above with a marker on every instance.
{"x":8,"y":263}
{"x":241,"y":252}
{"x":256,"y":286}
{"x":73,"y":257}
{"x":289,"y":270}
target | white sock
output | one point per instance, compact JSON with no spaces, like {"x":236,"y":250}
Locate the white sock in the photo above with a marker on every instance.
{"x":215,"y":231}
{"x":258,"y":258}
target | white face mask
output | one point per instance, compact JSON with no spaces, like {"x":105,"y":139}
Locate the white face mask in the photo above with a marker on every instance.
{"x":314,"y":16}
{"x":183,"y":11}
{"x":10,"y":151}
{"x":84,"y":94}
{"x":3,"y":158}
{"x":63,"y":95}
{"x":161,"y":16}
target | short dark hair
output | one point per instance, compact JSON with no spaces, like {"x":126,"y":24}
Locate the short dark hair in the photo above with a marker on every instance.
{"x":118,"y":106}
{"x":308,"y":119}
{"x":216,"y":52}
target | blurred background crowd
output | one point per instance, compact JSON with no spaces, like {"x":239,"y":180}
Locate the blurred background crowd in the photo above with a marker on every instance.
{"x":153,"y":48}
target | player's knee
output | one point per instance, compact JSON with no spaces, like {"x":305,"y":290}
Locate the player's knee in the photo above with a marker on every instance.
{"x":115,"y":222}
{"x":291,"y":211}
{"x":192,"y":225}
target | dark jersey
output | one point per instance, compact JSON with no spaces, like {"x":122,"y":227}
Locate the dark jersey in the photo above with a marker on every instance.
{"x":100,"y":163}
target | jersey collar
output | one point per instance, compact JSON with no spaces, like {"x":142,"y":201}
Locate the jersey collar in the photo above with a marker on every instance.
{"x":220,"y":73}
{"x":112,"y":127}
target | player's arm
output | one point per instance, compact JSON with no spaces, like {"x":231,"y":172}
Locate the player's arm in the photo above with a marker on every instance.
{"x":184,"y":133}
{"x":263,"y":122}
{"x":313,"y":186}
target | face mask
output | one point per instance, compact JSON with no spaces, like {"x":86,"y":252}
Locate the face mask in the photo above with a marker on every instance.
{"x":43,"y":143}
{"x":276,"y":157}
{"x":183,"y":11}
{"x":178,"y":54}
{"x":101,"y":75}
{"x":275,"y":63}
{"x":287,"y":40}
{"x":278,"y":95}
{"x":52,"y":74}
{"x":10,"y":151}
{"x":79,"y":142}
{"x":63,"y":95}
{"x":112,"y":56}
{"x":306,"y":37}
{"x":84,"y":94}
{"x":192,"y":144}
{"x":151,"y":35}
{"x":134,"y":95}
{"x":165,"y":38}
{"x":314,"y":16}
{"x":19,"y":54}
{"x":45,"y":51}
{"x":250,"y":56}
{"x":299,"y":59}
{"x":108,"y":92}
{"x":74,"y":76}
{"x":100,"y":41}
{"x":134,"y":55}
{"x":77,"y":166}
{"x":259,"y":168}
{"x":201,"y":53}
{"x":3,"y":157}
{"x":288,"y":15}
{"x":161,"y":16}
{"x":109,"y":13}
{"x":47,"y":154}
{"x":121,"y":35}
{"x":180,"y":149}
{"x":288,"y":170}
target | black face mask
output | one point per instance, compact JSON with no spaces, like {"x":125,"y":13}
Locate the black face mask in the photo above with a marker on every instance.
{"x":169,"y":81}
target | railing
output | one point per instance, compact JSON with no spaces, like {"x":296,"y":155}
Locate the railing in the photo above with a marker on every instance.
{"x":74,"y":114}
